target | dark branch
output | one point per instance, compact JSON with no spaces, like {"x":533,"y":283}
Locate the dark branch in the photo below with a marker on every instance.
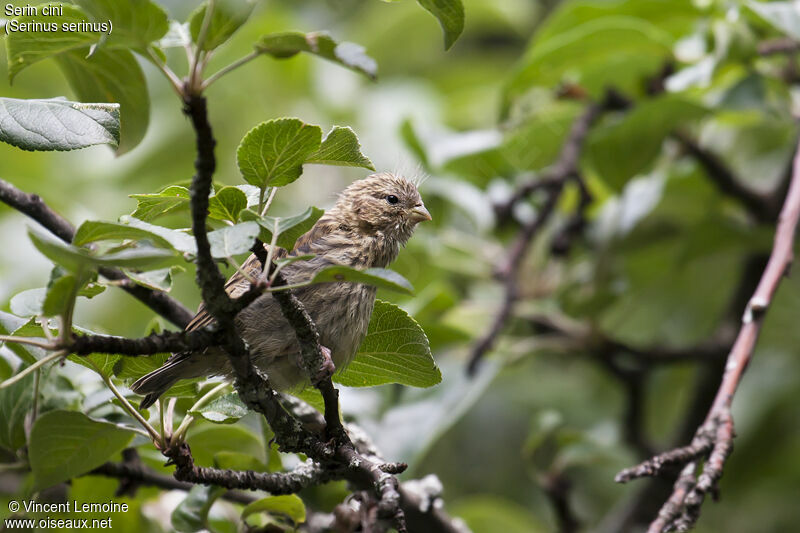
{"x":167,"y":341}
{"x":758,"y":204}
{"x":34,"y":207}
{"x":303,"y":476}
{"x":312,"y":356}
{"x":557,"y":487}
{"x":132,"y":475}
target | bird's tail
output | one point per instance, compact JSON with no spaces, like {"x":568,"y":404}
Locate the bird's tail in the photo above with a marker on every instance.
{"x":157,"y":382}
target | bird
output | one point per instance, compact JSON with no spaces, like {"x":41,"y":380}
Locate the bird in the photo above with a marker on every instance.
{"x":369,"y":223}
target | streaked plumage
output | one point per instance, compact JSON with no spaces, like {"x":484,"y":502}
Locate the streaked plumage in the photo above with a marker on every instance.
{"x":372,"y":218}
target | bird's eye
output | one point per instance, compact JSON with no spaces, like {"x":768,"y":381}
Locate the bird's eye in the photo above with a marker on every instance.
{"x":392,"y":199}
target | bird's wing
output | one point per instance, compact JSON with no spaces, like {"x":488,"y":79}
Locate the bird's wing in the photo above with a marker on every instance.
{"x":237,"y":285}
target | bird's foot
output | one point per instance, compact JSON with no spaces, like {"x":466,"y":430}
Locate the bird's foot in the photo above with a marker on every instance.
{"x":327,"y":368}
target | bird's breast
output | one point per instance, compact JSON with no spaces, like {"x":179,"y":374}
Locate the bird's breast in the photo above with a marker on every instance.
{"x":342,"y":315}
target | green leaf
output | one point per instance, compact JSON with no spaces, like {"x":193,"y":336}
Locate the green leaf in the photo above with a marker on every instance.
{"x":96,"y":230}
{"x":450,"y":14}
{"x":186,"y":388}
{"x":101,"y":363}
{"x":66,"y":444}
{"x":76,"y":259}
{"x":537,"y":142}
{"x":24,"y":48}
{"x":179,"y":240}
{"x":91,"y":290}
{"x":272,"y":154}
{"x":228,"y":16}
{"x":784,"y":16}
{"x":5,"y":372}
{"x":381,"y":278}
{"x":289,"y":505}
{"x":395,"y":350}
{"x":11,"y":325}
{"x":226,"y":204}
{"x":413,"y":142}
{"x":289,"y":228}
{"x":160,"y":280}
{"x":15,"y":401}
{"x":311,"y":396}
{"x":144,"y":258}
{"x":61,"y":295}
{"x":111,"y":76}
{"x":638,"y":136}
{"x":192,"y":513}
{"x":208,"y":439}
{"x":152,"y":206}
{"x":233,"y":240}
{"x":70,"y":257}
{"x":28,"y":303}
{"x":136,"y":367}
{"x":611,"y":51}
{"x":57,"y":124}
{"x":341,"y":147}
{"x":288,"y":44}
{"x":226,"y":409}
{"x":494,"y":513}
{"x":136,"y":23}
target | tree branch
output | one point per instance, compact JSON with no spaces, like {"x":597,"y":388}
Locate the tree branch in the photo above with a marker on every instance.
{"x":552,"y":180}
{"x":168,"y":341}
{"x":34,"y":207}
{"x":305,"y":475}
{"x":760,"y":205}
{"x":713,"y":440}
{"x":132,"y":475}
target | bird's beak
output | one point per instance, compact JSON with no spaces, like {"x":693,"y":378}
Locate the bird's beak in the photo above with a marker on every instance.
{"x":419,"y":214}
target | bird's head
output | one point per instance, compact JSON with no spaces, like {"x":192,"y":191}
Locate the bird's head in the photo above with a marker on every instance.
{"x":385,"y":203}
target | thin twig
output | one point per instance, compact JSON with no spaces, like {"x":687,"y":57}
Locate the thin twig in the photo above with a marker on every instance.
{"x":759,"y":204}
{"x":553,"y":180}
{"x":39,"y":363}
{"x":173,"y":79}
{"x":126,"y":405}
{"x":132,"y":475}
{"x":783,"y":45}
{"x":225,"y":70}
{"x":30,"y":341}
{"x":714,"y":438}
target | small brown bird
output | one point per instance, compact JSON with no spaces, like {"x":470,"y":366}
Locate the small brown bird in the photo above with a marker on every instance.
{"x":372,"y":218}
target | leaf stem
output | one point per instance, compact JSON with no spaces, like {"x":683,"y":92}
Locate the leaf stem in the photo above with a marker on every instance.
{"x":127,"y":405}
{"x":198,"y":52}
{"x":233,"y":66}
{"x":273,"y":243}
{"x":31,"y":341}
{"x":173,"y":78}
{"x":38,"y":364}
{"x":188,"y":419}
{"x":166,"y":432}
{"x":288,"y":287}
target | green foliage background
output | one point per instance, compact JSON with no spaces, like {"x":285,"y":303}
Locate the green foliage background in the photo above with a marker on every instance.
{"x":664,"y":253}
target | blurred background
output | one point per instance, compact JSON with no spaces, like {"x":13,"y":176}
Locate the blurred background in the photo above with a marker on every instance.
{"x":656,"y":266}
